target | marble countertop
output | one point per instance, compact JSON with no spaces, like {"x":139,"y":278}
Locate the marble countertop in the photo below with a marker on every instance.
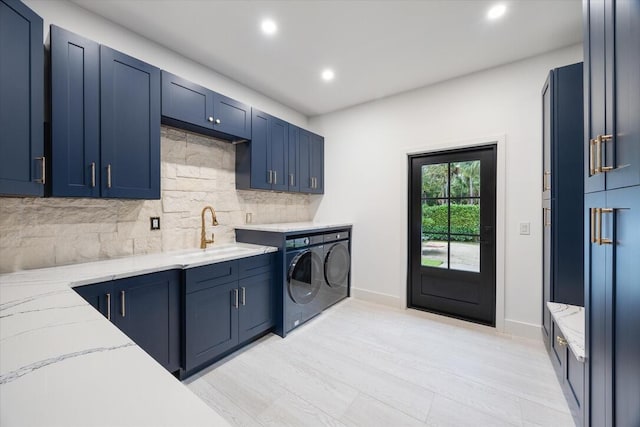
{"x":288,"y":227}
{"x":570,"y":320}
{"x":63,"y":364}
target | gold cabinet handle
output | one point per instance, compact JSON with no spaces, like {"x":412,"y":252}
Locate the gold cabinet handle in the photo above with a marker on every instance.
{"x":601,"y":139}
{"x":561,"y":341}
{"x":108,"y":306}
{"x":592,"y":166}
{"x":275,"y":177}
{"x":93,"y":174}
{"x":109,"y":175}
{"x":544,"y":217}
{"x":244,"y":295}
{"x":43,"y":170}
{"x":270,"y":177}
{"x":603,"y":240}
{"x":546,"y":187}
{"x":123,"y":313}
{"x":592,"y":211}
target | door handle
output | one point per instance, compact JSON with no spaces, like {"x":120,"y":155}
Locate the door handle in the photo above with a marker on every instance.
{"x":93,"y":174}
{"x":235,"y":298}
{"x":601,"y":139}
{"x":593,"y":225}
{"x":275,"y":177}
{"x":43,"y":170}
{"x":592,"y":166}
{"x":109,"y":175}
{"x":291,"y":180}
{"x":603,"y":240}
{"x":108,"y":306}
{"x":244,"y":295}
{"x":122,"y":303}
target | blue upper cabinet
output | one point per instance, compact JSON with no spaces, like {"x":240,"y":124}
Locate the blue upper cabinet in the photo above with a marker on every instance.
{"x":262,"y":164}
{"x":22,"y":162}
{"x":311,"y":162}
{"x":75,"y":115}
{"x":612,"y":128}
{"x":193,"y":107}
{"x":130,"y":126}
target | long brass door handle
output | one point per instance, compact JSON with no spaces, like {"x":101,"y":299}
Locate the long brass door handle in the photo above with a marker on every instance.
{"x":603,"y":240}
{"x":592,"y":211}
{"x":592,"y":166}
{"x":601,"y":139}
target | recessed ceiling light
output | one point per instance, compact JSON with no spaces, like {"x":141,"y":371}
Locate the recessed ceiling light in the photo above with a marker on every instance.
{"x":497,"y":11}
{"x":328,"y":75}
{"x":269,"y":27}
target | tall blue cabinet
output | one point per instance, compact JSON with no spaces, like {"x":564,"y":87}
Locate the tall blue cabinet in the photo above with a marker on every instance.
{"x":612,"y":211}
{"x":22,"y":160}
{"x":562,"y":190}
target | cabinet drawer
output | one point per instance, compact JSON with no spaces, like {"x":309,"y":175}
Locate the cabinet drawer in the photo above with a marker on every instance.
{"x":255,"y":265}
{"x":575,"y":378}
{"x":197,"y":279}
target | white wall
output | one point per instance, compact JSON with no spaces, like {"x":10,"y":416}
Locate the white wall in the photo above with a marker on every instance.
{"x":87,"y":24}
{"x":366,"y":174}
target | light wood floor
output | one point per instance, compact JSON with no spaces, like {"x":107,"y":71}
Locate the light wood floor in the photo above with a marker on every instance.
{"x":361,"y":364}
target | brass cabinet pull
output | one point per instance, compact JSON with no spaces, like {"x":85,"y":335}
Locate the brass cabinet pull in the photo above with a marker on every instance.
{"x":244,"y":295}
{"x":561,"y":341}
{"x":592,"y":211}
{"x":270,"y":176}
{"x":544,"y":217}
{"x":275,"y":177}
{"x":108,"y":306}
{"x":601,"y":139}
{"x":546,"y":187}
{"x":43,"y":170}
{"x":93,"y":174}
{"x":235,"y":298}
{"x":592,"y":167}
{"x":603,"y":240}
{"x":123,"y":303}
{"x":109,"y":175}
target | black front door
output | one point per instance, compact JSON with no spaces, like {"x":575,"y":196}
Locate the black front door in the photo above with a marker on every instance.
{"x":452,"y":217}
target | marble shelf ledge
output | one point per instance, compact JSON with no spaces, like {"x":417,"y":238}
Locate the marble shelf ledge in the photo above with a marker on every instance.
{"x":291,"y":227}
{"x":63,"y":364}
{"x":570,"y":320}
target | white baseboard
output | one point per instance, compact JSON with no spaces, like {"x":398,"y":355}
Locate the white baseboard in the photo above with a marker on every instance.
{"x":376,"y":297}
{"x":522,"y":329}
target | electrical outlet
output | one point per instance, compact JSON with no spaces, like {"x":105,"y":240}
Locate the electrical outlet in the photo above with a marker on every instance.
{"x":155,"y":223}
{"x":525,"y":228}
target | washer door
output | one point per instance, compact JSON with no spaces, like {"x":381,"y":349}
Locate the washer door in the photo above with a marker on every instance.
{"x":304,"y":277}
{"x":337,"y":264}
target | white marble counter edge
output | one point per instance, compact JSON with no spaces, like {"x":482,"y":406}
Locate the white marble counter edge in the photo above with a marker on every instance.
{"x":575,"y":338}
{"x":45,"y":296}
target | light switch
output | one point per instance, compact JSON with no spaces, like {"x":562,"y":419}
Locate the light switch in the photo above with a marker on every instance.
{"x":525,"y":228}
{"x":155,"y":223}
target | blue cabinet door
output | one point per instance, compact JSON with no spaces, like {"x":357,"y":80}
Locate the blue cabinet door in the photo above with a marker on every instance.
{"x":279,"y":152}
{"x":253,"y":160}
{"x":623,"y":96}
{"x":624,"y":226}
{"x":22,"y":162}
{"x":598,"y":298}
{"x":256,"y":313}
{"x":594,"y":92}
{"x":304,"y":161}
{"x":147,"y":309}
{"x":75,"y":115}
{"x":130,"y":126}
{"x":317,"y":164}
{"x":231,"y":117}
{"x":187,"y":102}
{"x":292,"y":159}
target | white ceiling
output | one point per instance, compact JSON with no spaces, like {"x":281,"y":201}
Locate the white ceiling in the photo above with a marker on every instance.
{"x":377,"y":48}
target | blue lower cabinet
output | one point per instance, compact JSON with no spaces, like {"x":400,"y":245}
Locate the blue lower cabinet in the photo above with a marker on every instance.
{"x":226,"y":305}
{"x":211,"y":322}
{"x":147,"y":309}
{"x":22,"y":161}
{"x":129,"y":126}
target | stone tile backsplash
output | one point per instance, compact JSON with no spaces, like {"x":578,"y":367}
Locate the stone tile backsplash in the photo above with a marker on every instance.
{"x":196,"y":171}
